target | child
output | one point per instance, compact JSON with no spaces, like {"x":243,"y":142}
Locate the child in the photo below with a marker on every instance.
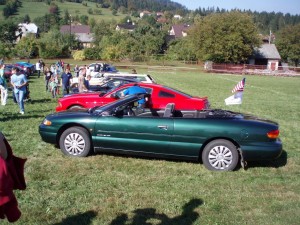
{"x":53,"y":87}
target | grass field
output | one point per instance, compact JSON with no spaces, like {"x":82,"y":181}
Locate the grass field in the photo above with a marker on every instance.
{"x":39,"y":9}
{"x":106,"y":189}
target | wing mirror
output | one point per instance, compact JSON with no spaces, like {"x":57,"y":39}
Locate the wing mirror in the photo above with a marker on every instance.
{"x":114,"y":95}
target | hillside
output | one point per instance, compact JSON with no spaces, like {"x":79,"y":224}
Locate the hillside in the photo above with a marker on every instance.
{"x":38,"y":9}
{"x":123,"y":7}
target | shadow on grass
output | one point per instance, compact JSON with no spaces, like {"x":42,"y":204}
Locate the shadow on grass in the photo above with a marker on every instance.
{"x":79,"y":219}
{"x":142,"y":216}
{"x":44,"y":100}
{"x":275,"y":163}
{"x":16,"y":116}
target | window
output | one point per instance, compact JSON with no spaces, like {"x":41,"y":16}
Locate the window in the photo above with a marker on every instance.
{"x":165,"y":94}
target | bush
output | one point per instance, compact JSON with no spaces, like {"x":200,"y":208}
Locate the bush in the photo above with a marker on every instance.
{"x":78,"y":55}
{"x":92,"y":53}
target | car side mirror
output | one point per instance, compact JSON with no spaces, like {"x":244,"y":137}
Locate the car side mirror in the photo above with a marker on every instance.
{"x":114,"y":95}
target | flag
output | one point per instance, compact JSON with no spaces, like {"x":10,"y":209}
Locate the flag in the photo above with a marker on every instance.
{"x":240,"y":86}
{"x":237,"y":98}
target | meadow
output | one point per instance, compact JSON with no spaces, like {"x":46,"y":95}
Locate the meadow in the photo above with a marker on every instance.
{"x":39,"y":9}
{"x":106,"y":189}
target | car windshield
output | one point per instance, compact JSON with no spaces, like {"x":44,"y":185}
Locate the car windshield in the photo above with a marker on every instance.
{"x":109,"y":106}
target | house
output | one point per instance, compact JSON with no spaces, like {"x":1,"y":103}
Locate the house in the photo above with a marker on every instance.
{"x":25,"y":29}
{"x":179,"y":30}
{"x":126,"y":27}
{"x":176,"y":16}
{"x":82,"y":33}
{"x":266,"y":54}
{"x":145,"y":13}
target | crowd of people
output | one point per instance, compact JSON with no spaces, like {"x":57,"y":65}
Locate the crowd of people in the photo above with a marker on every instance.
{"x":58,"y":80}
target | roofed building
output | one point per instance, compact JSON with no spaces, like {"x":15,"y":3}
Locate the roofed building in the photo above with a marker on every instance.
{"x":266,"y":54}
{"x":82,"y":33}
{"x":179,"y":30}
{"x":126,"y":27}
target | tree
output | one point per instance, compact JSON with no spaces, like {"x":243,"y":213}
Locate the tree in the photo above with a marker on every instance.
{"x":288,"y":44}
{"x":226,"y":37}
{"x":27,"y":47}
{"x":7,"y":34}
{"x":26,"y":19}
{"x":57,"y":39}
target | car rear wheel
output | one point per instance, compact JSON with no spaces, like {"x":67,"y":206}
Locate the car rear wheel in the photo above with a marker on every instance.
{"x":75,"y":141}
{"x":76,"y":107}
{"x":220,"y":155}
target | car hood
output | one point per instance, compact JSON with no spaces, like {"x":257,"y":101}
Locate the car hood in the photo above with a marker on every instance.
{"x":70,"y":113}
{"x":80,"y":95}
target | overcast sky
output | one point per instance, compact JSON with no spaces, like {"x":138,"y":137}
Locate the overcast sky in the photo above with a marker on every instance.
{"x":284,"y":6}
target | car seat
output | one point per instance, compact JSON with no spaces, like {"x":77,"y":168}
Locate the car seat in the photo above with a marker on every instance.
{"x":169,"y":110}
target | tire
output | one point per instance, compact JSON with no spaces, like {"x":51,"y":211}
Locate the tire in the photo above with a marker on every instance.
{"x":75,"y":141}
{"x":76,"y":107}
{"x":220,"y":155}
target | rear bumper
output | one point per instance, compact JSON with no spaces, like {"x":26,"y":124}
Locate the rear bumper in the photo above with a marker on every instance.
{"x":262,"y":151}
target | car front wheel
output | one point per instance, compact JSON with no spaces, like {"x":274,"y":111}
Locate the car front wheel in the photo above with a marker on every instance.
{"x":220,"y":155}
{"x":75,"y":141}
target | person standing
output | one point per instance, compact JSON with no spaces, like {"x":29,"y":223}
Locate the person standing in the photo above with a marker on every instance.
{"x":11,"y":178}
{"x":48,"y":76}
{"x":76,"y":70}
{"x":19,"y":83}
{"x":66,"y":78}
{"x":81,"y":81}
{"x":3,"y":85}
{"x":53,"y":87}
{"x":38,"y":68}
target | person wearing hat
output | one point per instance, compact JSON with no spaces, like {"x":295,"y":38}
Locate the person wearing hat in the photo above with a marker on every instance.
{"x":19,"y":83}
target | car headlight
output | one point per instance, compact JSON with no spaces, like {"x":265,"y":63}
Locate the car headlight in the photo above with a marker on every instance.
{"x":47,"y":122}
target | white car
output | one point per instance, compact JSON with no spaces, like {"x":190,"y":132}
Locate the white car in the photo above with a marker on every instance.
{"x":98,"y":78}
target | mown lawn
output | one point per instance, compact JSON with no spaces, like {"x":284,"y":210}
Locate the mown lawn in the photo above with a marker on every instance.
{"x":107,"y":189}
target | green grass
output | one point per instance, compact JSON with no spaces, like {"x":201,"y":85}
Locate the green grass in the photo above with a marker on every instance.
{"x":39,"y":9}
{"x":107,"y":189}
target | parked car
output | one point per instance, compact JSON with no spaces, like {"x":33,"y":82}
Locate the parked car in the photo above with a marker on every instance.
{"x":8,"y":71}
{"x":99,"y":78}
{"x":109,"y":84}
{"x":160,"y":96}
{"x":219,"y":138}
{"x":28,"y":67}
{"x":103,"y":67}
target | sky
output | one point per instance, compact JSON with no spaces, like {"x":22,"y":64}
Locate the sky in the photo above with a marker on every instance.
{"x":284,"y":6}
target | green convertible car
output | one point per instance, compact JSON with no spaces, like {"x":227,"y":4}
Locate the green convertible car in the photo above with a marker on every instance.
{"x":218,"y":138}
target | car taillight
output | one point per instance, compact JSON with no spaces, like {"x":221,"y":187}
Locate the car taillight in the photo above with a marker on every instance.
{"x":273,"y":134}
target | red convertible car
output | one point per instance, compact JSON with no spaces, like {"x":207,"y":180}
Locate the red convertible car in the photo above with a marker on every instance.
{"x":160,"y":96}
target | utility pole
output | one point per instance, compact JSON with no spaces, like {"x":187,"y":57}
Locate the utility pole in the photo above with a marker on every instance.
{"x":70,"y":44}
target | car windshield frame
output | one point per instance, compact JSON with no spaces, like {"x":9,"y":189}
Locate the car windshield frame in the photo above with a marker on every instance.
{"x":112,"y":105}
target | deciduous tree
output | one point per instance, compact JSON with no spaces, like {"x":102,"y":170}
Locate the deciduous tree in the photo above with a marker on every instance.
{"x":288,"y":44}
{"x":226,"y":37}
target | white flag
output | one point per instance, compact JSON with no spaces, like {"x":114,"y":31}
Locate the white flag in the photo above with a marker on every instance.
{"x":235,"y":99}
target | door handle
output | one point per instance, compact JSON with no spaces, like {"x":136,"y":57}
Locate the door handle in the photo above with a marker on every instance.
{"x":163,"y":127}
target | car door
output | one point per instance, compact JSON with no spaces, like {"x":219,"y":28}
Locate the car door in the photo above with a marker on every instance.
{"x":133,"y":134}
